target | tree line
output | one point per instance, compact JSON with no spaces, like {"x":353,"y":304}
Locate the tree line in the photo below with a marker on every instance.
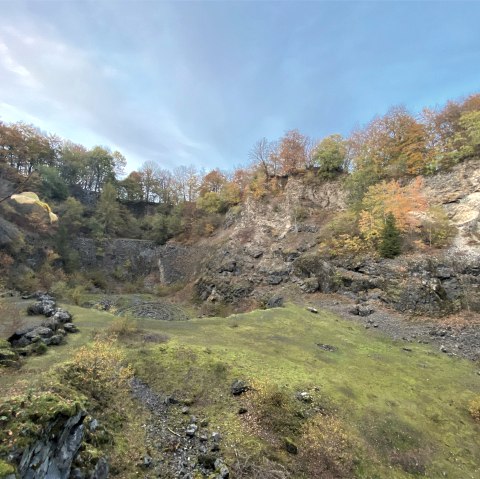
{"x":190,"y":201}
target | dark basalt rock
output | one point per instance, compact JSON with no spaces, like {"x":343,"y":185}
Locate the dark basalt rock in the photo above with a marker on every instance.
{"x":239,"y":387}
{"x":52,"y":455}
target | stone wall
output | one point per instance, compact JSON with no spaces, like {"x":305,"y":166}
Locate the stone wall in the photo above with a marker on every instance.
{"x":130,"y":258}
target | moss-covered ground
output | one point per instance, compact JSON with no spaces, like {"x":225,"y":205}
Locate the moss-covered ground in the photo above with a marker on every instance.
{"x":375,"y":408}
{"x":406,"y":410}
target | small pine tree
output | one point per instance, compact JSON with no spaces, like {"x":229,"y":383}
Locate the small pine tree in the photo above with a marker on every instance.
{"x":390,"y":241}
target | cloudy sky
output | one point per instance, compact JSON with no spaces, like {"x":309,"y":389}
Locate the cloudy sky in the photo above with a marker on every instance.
{"x":199,"y":82}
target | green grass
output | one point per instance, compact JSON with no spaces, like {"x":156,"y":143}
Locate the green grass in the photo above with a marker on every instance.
{"x":405,"y":412}
{"x":88,"y":321}
{"x":399,"y":403}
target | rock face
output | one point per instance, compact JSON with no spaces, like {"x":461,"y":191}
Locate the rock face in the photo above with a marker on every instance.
{"x":139,"y":258}
{"x":53,"y":454}
{"x":458,"y":190}
{"x":272,"y":245}
{"x":266,"y":243}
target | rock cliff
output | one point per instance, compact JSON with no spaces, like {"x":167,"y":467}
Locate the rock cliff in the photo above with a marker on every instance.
{"x":132,"y":258}
{"x":272,"y":245}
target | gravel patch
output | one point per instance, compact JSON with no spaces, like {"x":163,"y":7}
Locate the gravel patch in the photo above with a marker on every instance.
{"x":462,"y":341}
{"x":180,"y":445}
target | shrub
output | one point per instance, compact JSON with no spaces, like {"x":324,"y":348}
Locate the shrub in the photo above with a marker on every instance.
{"x":345,"y":245}
{"x":276,"y":410}
{"x":474,"y":408}
{"x":436,"y":230}
{"x":123,"y":327}
{"x":39,"y":348}
{"x":77,"y":294}
{"x":98,"y":370}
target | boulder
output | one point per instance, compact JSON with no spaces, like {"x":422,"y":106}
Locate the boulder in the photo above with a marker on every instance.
{"x":51,"y":323}
{"x":40,"y":332}
{"x":70,"y":328}
{"x":55,"y":340}
{"x":191,"y":430}
{"x":35,"y":309}
{"x":51,"y":456}
{"x":362,"y":310}
{"x":274,"y":279}
{"x":101,"y":469}
{"x":239,"y":387}
{"x":45,"y":306}
{"x":327,"y":347}
{"x":62,"y":316}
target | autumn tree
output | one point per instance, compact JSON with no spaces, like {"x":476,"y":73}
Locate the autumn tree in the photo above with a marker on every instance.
{"x":185,"y":182}
{"x":330,"y":155}
{"x":263,"y":155}
{"x":391,"y":145}
{"x":100,"y":169}
{"x":466,"y":142}
{"x":165,"y":189}
{"x":131,"y":188}
{"x":212,"y":182}
{"x":25,"y":148}
{"x":293,"y":152}
{"x":437,"y":231}
{"x":149,"y":174}
{"x":445,"y":130}
{"x":405,"y":203}
{"x":73,"y":163}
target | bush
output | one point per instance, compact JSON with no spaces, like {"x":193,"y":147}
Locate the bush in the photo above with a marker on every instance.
{"x":345,"y":222}
{"x":39,"y":348}
{"x":474,"y":408}
{"x":123,"y":327}
{"x":276,"y":410}
{"x":98,"y":370}
{"x":437,"y":231}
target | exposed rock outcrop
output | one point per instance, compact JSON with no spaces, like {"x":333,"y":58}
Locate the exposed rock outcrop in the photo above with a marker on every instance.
{"x":458,"y":190}
{"x":132,"y":258}
{"x":273,"y":244}
{"x":52,"y":455}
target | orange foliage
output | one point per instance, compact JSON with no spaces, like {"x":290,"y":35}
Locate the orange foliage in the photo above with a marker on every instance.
{"x":403,"y":202}
{"x":292,"y":151}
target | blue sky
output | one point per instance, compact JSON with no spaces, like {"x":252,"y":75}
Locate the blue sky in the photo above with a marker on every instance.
{"x":199,"y":82}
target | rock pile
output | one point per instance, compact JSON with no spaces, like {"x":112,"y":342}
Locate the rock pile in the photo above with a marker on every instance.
{"x":51,"y":332}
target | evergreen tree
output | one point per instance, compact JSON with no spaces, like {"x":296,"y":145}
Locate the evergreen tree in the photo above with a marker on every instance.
{"x":390,"y":241}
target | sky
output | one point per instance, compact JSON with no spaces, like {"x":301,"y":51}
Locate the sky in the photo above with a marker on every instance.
{"x":199,"y":83}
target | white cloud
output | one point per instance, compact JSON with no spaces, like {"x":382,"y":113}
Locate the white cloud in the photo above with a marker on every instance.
{"x":80,"y":95}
